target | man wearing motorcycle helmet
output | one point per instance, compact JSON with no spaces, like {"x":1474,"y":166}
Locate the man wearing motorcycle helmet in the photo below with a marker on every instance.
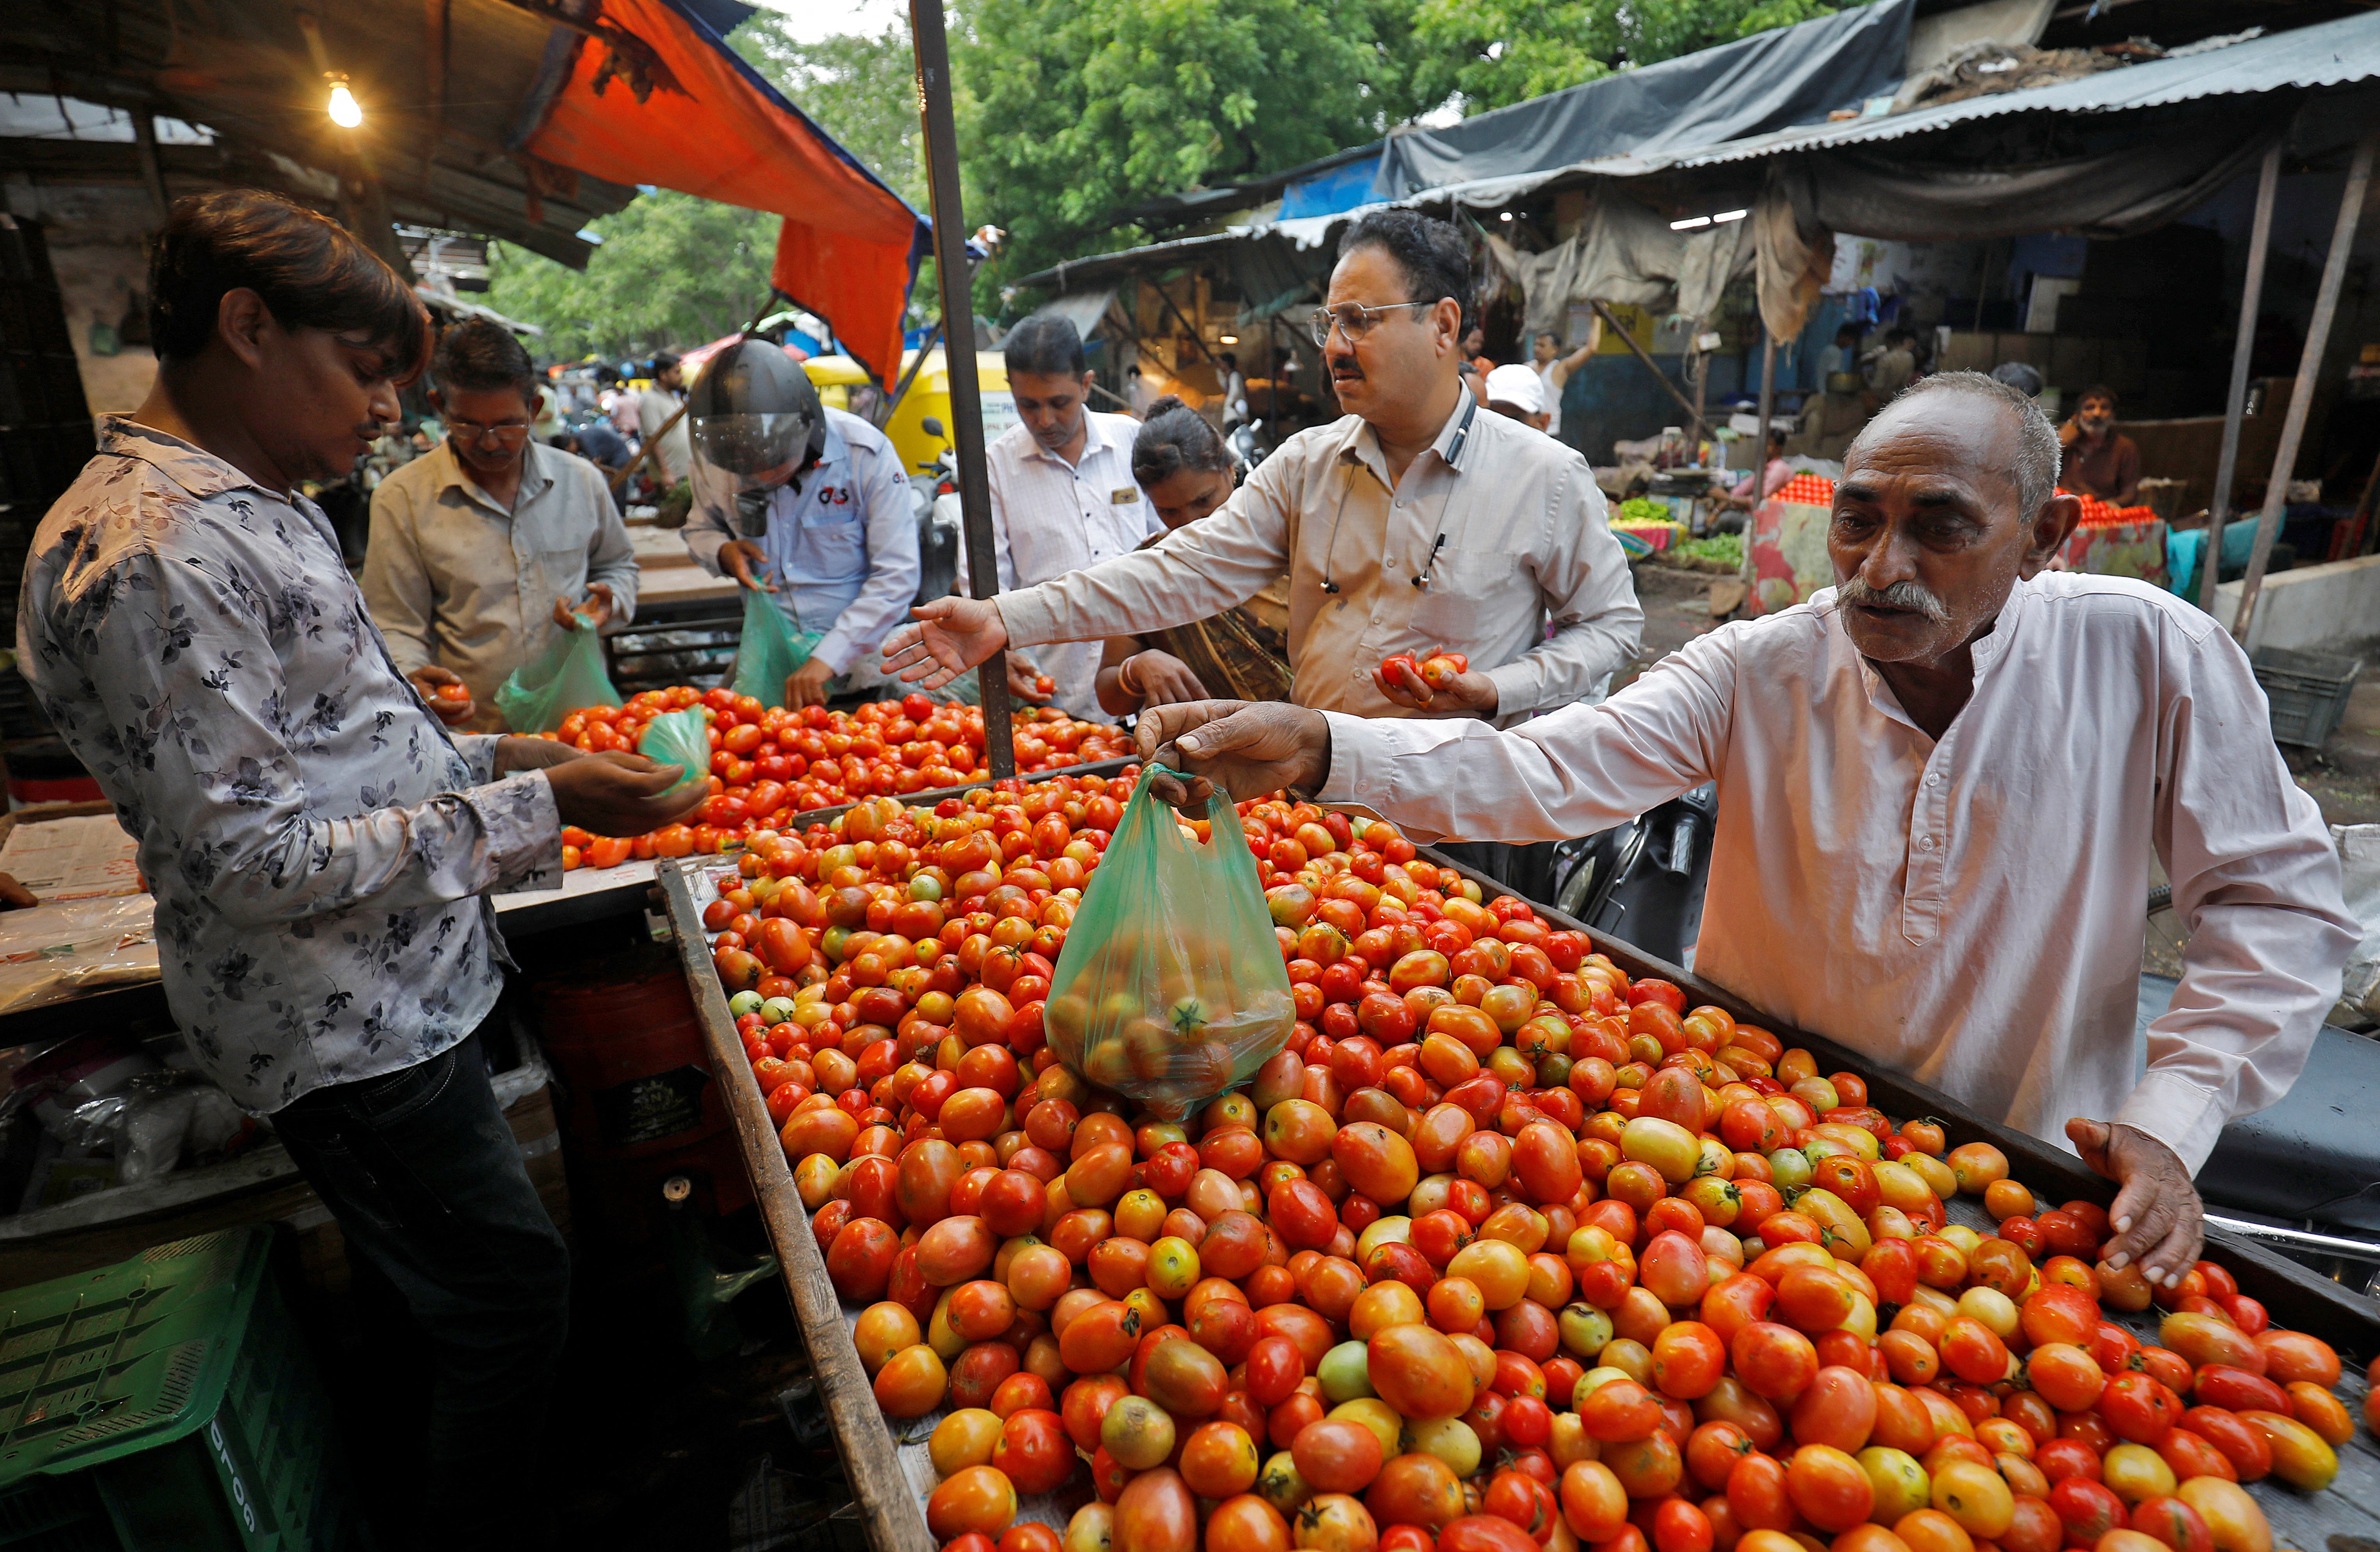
{"x":804,"y":503}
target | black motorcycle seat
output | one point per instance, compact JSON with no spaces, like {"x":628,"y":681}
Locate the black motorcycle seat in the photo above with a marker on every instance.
{"x":2315,"y":1154}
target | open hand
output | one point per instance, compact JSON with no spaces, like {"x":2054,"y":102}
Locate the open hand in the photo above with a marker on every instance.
{"x":619,"y":794}
{"x":805,"y":686}
{"x":1399,"y":679}
{"x":951,"y":636}
{"x":2157,"y":1217}
{"x":592,"y":614}
{"x":747,"y":563}
{"x":449,"y":708}
{"x":1159,"y":679}
{"x":1024,"y":680}
{"x":1248,"y":749}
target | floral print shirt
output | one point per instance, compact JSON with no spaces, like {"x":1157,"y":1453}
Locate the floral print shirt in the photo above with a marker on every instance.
{"x":319,"y":846}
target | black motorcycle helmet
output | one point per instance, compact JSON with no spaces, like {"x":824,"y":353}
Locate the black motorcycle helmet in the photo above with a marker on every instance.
{"x":756,"y":414}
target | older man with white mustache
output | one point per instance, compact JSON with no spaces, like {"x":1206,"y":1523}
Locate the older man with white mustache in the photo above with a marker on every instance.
{"x":1939,"y":787}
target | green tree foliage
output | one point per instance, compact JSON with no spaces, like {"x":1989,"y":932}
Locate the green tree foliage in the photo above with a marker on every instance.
{"x":860,"y":88}
{"x":674,"y":270}
{"x":1071,"y":110}
{"x":1495,"y":52}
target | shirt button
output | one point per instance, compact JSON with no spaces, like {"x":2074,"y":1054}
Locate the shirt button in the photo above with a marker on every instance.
{"x":1926,"y":844}
{"x":1934,"y":779}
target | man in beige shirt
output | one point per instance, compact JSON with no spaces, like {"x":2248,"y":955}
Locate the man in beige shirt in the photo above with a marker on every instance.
{"x":1418,"y":520}
{"x":484,"y":547}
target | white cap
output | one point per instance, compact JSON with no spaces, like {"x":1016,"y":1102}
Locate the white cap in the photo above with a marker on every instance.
{"x":1519,"y":387}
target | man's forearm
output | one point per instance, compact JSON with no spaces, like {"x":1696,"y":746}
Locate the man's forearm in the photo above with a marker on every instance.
{"x":1559,"y":671}
{"x":1132,"y":594}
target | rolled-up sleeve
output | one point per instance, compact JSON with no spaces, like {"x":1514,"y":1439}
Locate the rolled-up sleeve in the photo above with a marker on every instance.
{"x":1217,"y":563}
{"x":1573,"y":772}
{"x":2256,"y":883}
{"x":1590,"y":600}
{"x":211,"y":750}
{"x":892,"y":564}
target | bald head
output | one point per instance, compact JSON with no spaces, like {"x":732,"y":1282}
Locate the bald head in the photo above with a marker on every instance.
{"x":1944,"y":504}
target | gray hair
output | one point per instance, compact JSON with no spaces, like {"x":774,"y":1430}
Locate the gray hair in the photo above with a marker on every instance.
{"x":2038,"y":455}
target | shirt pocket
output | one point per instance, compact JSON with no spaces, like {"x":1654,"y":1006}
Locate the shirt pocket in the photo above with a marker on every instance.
{"x":1469,"y":600}
{"x":833,"y":547}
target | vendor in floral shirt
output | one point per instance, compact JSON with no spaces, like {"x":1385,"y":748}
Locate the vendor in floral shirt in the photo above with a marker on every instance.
{"x":321,"y":847}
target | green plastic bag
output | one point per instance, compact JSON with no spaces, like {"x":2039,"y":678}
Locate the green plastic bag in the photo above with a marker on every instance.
{"x":1171,"y":988}
{"x":567,"y":675}
{"x":679,"y":739}
{"x":770,"y":649}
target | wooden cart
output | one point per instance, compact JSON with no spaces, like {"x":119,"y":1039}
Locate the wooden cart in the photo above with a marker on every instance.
{"x":890,"y":1471}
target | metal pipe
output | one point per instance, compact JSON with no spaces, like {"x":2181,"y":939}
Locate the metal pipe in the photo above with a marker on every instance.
{"x":2325,"y":308}
{"x":2218,"y":508}
{"x":2297,"y":1238}
{"x":1650,"y":365}
{"x":1760,"y":452}
{"x":956,"y":278}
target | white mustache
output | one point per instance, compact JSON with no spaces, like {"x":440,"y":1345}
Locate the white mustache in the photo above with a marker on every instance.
{"x":1910,"y":595}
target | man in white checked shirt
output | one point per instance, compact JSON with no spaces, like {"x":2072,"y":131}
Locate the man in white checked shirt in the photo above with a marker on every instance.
{"x":1062,"y":495}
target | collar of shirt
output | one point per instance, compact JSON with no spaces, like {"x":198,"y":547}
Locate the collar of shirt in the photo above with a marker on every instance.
{"x":1095,"y":440}
{"x":1360,"y":444}
{"x":1986,"y":650}
{"x":535,"y":481}
{"x":195,"y":469}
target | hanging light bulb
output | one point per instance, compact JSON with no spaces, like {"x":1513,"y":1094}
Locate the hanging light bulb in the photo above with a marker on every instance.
{"x":345,"y":111}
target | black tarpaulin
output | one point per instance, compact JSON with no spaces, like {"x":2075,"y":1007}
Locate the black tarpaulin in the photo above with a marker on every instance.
{"x":1792,"y":76}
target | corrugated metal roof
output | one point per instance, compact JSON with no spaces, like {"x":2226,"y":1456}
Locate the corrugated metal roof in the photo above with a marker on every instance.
{"x":2331,"y":53}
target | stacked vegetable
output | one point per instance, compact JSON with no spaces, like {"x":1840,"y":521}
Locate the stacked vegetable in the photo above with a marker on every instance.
{"x":770,"y":762}
{"x":1505,"y":1250}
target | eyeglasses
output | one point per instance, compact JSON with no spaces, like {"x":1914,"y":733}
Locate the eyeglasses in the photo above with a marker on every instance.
{"x":1353,"y":319}
{"x":508,"y":433}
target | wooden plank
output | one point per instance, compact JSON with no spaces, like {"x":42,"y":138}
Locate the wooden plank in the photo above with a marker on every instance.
{"x":894,"y":1514}
{"x":2298,"y":1297}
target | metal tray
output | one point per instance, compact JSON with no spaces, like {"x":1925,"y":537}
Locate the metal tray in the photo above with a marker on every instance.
{"x":891,"y":1474}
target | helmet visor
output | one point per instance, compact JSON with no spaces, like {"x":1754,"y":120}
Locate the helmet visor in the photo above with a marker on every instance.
{"x":760,"y":449}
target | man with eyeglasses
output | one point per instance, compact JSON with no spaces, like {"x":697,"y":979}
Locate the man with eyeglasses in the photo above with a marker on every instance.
{"x":1418,"y":520}
{"x":490,"y":543}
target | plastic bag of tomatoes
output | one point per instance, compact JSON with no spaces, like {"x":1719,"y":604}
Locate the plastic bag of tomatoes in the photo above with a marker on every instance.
{"x":1171,"y":988}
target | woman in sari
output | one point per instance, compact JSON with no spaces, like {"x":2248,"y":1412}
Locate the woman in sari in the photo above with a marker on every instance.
{"x":1243,"y":653}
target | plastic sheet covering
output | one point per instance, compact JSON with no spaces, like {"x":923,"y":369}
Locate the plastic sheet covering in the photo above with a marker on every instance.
{"x":58,"y":952}
{"x":1789,"y":76}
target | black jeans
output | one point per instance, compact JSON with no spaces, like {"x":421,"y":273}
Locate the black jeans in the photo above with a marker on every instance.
{"x":424,"y":1176}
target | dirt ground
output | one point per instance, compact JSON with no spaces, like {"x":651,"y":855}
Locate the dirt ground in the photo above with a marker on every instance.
{"x":2343,"y":777}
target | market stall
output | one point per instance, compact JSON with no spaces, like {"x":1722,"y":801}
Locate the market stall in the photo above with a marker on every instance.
{"x":891,"y":1460}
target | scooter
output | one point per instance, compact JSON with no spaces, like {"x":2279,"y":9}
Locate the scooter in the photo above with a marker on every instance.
{"x":1241,"y":439}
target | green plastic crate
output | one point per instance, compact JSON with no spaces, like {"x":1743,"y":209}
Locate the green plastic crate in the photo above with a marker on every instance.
{"x":167,"y":1402}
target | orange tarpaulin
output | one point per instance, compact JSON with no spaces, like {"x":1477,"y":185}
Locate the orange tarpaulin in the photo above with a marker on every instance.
{"x":711,"y":126}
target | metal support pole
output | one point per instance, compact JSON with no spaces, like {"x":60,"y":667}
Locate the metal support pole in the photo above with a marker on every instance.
{"x":153,"y":169}
{"x":1694,"y":415}
{"x":1760,"y":452}
{"x":956,"y":277}
{"x":2218,"y":508}
{"x":2325,"y":308}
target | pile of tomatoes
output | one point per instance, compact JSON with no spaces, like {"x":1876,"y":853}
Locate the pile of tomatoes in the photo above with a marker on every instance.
{"x":771,"y":762}
{"x":1504,"y":1250}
